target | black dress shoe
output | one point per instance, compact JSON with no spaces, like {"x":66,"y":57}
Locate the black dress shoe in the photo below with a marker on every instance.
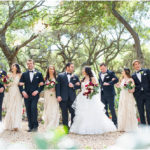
{"x":116,"y":126}
{"x":34,"y":129}
{"x":30,"y":130}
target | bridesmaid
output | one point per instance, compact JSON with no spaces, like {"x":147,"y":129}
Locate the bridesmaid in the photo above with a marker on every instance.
{"x":51,"y":113}
{"x":127,"y":120}
{"x":13,"y":118}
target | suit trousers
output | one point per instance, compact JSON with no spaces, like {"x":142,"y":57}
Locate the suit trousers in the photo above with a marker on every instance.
{"x":143,"y":103}
{"x":1,"y":103}
{"x":66,"y":105}
{"x":108,"y":101}
{"x":32,"y":112}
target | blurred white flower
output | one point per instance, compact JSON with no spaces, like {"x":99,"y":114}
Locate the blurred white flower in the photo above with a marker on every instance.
{"x":139,"y":139}
{"x":66,"y":143}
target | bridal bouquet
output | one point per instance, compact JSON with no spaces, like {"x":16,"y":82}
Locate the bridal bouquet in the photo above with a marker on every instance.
{"x":129,"y":85}
{"x":49,"y":84}
{"x":5,"y":80}
{"x":91,"y":90}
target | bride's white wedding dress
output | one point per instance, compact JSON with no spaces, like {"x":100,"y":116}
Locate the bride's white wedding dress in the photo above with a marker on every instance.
{"x":90,"y":117}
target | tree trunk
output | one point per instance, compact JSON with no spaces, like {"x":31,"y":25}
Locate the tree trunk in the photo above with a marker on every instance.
{"x":135,"y":35}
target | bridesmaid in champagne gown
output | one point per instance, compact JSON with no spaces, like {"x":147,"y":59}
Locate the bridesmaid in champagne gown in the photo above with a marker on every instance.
{"x":13,"y":118}
{"x":51,"y":113}
{"x":127,"y":120}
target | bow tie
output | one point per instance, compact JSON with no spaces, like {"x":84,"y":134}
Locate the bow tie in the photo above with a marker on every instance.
{"x":139,"y":71}
{"x":69,"y":73}
{"x":31,"y":71}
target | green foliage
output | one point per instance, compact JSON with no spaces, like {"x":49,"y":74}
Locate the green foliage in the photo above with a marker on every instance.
{"x":54,"y":139}
{"x":88,"y":26}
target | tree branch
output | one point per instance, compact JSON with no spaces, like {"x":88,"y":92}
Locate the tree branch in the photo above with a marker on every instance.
{"x":24,"y":44}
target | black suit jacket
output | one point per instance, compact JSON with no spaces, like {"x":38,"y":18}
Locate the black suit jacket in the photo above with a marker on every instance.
{"x":2,"y":72}
{"x":63,"y":89}
{"x":29,"y":87}
{"x":144,"y":84}
{"x":108,"y":90}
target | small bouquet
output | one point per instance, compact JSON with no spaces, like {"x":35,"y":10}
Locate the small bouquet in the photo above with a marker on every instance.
{"x":5,"y":80}
{"x":129,"y":85}
{"x":49,"y":84}
{"x":91,"y":90}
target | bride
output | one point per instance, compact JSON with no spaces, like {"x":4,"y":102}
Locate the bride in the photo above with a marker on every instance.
{"x":90,"y":117}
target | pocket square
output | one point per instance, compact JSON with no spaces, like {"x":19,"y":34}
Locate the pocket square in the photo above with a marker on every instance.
{"x":74,"y":78}
{"x":37,"y":77}
{"x":145,"y":74}
{"x":107,"y":77}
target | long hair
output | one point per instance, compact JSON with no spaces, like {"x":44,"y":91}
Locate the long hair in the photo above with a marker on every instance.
{"x":47,"y":72}
{"x":127,"y":72}
{"x":88,"y":71}
{"x":18,"y":68}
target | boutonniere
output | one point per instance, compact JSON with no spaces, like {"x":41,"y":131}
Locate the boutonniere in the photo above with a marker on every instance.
{"x":106,"y":74}
{"x":1,"y":71}
{"x":142,"y":72}
{"x":35,"y":72}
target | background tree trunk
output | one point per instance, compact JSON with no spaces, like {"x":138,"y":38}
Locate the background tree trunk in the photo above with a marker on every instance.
{"x":135,"y":35}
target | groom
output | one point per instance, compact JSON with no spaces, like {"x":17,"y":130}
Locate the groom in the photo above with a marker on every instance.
{"x":141,"y":78}
{"x":1,"y":93}
{"x":107,"y":79}
{"x":67,"y":84}
{"x":30,"y":89}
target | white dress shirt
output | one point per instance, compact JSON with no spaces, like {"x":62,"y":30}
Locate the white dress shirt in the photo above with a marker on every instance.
{"x":103,"y":76}
{"x":68,"y":76}
{"x":31,"y":75}
{"x":139,"y":76}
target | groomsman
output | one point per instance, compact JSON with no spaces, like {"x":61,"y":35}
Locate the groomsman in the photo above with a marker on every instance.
{"x":2,"y":72}
{"x":31,"y":84}
{"x":67,"y":84}
{"x":141,"y":78}
{"x":107,"y":79}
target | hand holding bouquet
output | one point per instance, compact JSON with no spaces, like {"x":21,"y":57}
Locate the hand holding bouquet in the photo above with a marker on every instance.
{"x":129,"y":86}
{"x":91,"y":90}
{"x":5,"y":80}
{"x":49,"y":84}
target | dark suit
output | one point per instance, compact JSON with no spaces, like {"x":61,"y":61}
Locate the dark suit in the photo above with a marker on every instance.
{"x":67,"y":94}
{"x":31,"y":102}
{"x":1,"y":94}
{"x":142,"y":94}
{"x":108,"y":93}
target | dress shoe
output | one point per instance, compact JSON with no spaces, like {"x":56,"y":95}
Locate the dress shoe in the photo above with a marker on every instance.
{"x":30,"y":130}
{"x":34,"y":129}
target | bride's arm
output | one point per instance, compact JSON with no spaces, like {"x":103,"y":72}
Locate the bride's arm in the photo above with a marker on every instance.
{"x":133,"y":84}
{"x":94,"y":80}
